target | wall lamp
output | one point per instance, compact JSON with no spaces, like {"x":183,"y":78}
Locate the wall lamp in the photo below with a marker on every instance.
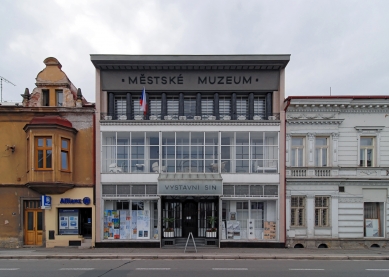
{"x":13,"y":147}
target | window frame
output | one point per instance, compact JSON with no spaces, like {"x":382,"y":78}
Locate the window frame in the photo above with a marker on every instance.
{"x":322,"y":212}
{"x":58,"y":95}
{"x":365,"y":148}
{"x":295,"y":211}
{"x":43,"y":148}
{"x":294,"y":162}
{"x":68,"y":156}
{"x":321,"y":148}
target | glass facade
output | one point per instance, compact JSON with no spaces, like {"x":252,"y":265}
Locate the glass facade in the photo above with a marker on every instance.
{"x":189,"y":152}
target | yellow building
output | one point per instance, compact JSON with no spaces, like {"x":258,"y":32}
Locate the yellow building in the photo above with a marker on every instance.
{"x":47,"y":154}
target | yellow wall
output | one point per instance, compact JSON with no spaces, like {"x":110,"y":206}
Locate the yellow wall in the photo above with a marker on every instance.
{"x":51,"y":216}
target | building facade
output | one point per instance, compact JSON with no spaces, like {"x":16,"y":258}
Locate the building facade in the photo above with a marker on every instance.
{"x":337,"y":171}
{"x":201,"y":156}
{"x":48,"y":152}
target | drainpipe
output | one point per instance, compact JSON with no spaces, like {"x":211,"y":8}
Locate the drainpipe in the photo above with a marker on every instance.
{"x":284,"y":169}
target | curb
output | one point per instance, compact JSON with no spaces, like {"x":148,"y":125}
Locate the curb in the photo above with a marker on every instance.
{"x":191,"y":257}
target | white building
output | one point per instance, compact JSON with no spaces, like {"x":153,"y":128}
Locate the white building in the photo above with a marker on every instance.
{"x":337,"y":167}
{"x":204,"y":158}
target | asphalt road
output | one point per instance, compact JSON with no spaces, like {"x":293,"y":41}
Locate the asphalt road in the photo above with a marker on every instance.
{"x":191,"y":268}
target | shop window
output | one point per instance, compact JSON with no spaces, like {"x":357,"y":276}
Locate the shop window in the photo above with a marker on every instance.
{"x":68,"y":221}
{"x":297,"y":211}
{"x":321,"y":151}
{"x":65,"y":154}
{"x":43,"y":153}
{"x":297,"y":154}
{"x":366,"y":152}
{"x":132,"y":219}
{"x":59,"y":98}
{"x":374,"y":217}
{"x":322,"y":211}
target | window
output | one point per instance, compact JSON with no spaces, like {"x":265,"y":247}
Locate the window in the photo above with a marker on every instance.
{"x":321,"y":151}
{"x":206,"y":107}
{"x":224,"y":106}
{"x":366,"y":152}
{"x":242,"y":106}
{"x":65,"y":150}
{"x":297,"y":158}
{"x":43,"y":152}
{"x":120,"y":106}
{"x":321,"y":211}
{"x":374,"y":216}
{"x":59,"y":98}
{"x":155,"y":106}
{"x":297,"y":211}
{"x":172,"y":107}
{"x":259,"y":106}
{"x":190,"y":107}
{"x":45,"y":97}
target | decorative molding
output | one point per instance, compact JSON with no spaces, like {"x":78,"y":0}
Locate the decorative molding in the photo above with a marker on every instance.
{"x":351,"y":200}
{"x":315,"y":121}
{"x":368,"y":172}
{"x":187,"y":123}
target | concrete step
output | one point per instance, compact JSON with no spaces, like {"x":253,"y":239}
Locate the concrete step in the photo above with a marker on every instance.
{"x":85,"y":243}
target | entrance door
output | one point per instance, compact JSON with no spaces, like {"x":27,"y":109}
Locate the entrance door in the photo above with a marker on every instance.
{"x":33,"y":227}
{"x":189,"y":211}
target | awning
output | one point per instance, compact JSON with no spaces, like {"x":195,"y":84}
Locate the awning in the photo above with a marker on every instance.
{"x":190,"y":184}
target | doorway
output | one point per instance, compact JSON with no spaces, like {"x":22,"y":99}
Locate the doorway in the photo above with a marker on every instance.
{"x":33,"y":223}
{"x":86,"y":222}
{"x":189,"y":211}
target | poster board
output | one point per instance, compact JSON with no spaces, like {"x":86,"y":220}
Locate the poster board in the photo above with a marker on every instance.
{"x":269,"y":232}
{"x":372,"y":227}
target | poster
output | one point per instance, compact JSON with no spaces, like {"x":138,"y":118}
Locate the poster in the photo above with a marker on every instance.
{"x":73,"y":222}
{"x":111,"y":224}
{"x":372,"y":227}
{"x":233,"y":229}
{"x":269,"y":230}
{"x":63,"y":224}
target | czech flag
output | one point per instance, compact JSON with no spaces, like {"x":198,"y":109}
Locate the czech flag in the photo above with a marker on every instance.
{"x":143,"y":102}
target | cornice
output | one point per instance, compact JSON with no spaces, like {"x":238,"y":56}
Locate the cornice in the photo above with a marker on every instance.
{"x":314,"y":122}
{"x":186,"y":123}
{"x":339,"y":109}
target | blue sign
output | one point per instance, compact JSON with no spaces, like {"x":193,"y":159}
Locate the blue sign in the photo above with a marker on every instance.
{"x":85,"y":201}
{"x":46,"y":202}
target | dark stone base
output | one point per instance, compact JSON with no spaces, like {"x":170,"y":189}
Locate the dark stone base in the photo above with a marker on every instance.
{"x":127,"y":244}
{"x":243,"y":244}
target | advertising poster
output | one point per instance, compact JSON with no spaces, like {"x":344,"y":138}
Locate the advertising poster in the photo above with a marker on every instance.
{"x":125,"y":224}
{"x":372,"y":227}
{"x":233,"y":229}
{"x":63,"y":224}
{"x":73,"y":222}
{"x":111,"y":224}
{"x":134,"y":230}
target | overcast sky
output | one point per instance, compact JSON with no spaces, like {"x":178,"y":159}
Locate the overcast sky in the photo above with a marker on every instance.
{"x":342,"y":44}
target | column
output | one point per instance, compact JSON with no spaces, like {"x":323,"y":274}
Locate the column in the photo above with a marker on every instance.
{"x":334,"y":208}
{"x":111,"y":104}
{"x":198,"y":104}
{"x":310,"y":212}
{"x":181,"y":104}
{"x":269,"y":105}
{"x":251,"y":106}
{"x":216,"y":105}
{"x":163,"y":105}
{"x":233,"y":106}
{"x":129,"y":106}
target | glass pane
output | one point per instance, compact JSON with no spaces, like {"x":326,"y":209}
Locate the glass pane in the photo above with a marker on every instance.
{"x":48,"y":159}
{"x":30,"y":221}
{"x":300,"y":157}
{"x":48,"y":142}
{"x":227,"y":138}
{"x":59,"y":98}
{"x":366,"y":141}
{"x":242,"y":138}
{"x":40,"y":142}
{"x":197,"y":138}
{"x":65,"y":144}
{"x":324,"y":157}
{"x":40,"y":221}
{"x":64,"y":160}
{"x":137,"y":138}
{"x":182,"y":138}
{"x":369,"y":157}
{"x":109,"y":138}
{"x":256,"y":138}
{"x":168,"y":138}
{"x":321,"y":141}
{"x":40,"y":158}
{"x":123,"y":138}
{"x":211,"y":138}
{"x":152,"y":138}
{"x":297,"y":141}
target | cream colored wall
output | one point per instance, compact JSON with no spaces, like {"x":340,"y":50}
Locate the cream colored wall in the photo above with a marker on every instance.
{"x":51,"y":216}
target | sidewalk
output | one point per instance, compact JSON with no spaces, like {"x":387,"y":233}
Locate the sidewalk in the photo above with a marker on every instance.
{"x":202,"y":253}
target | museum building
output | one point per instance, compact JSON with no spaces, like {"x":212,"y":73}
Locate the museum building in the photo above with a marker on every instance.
{"x":190,"y":145}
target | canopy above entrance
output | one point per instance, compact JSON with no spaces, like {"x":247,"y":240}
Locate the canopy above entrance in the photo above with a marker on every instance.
{"x":190,"y":184}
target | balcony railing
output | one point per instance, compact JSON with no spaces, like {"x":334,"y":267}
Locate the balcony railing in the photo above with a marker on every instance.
{"x":338,"y":171}
{"x":153,"y":116}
